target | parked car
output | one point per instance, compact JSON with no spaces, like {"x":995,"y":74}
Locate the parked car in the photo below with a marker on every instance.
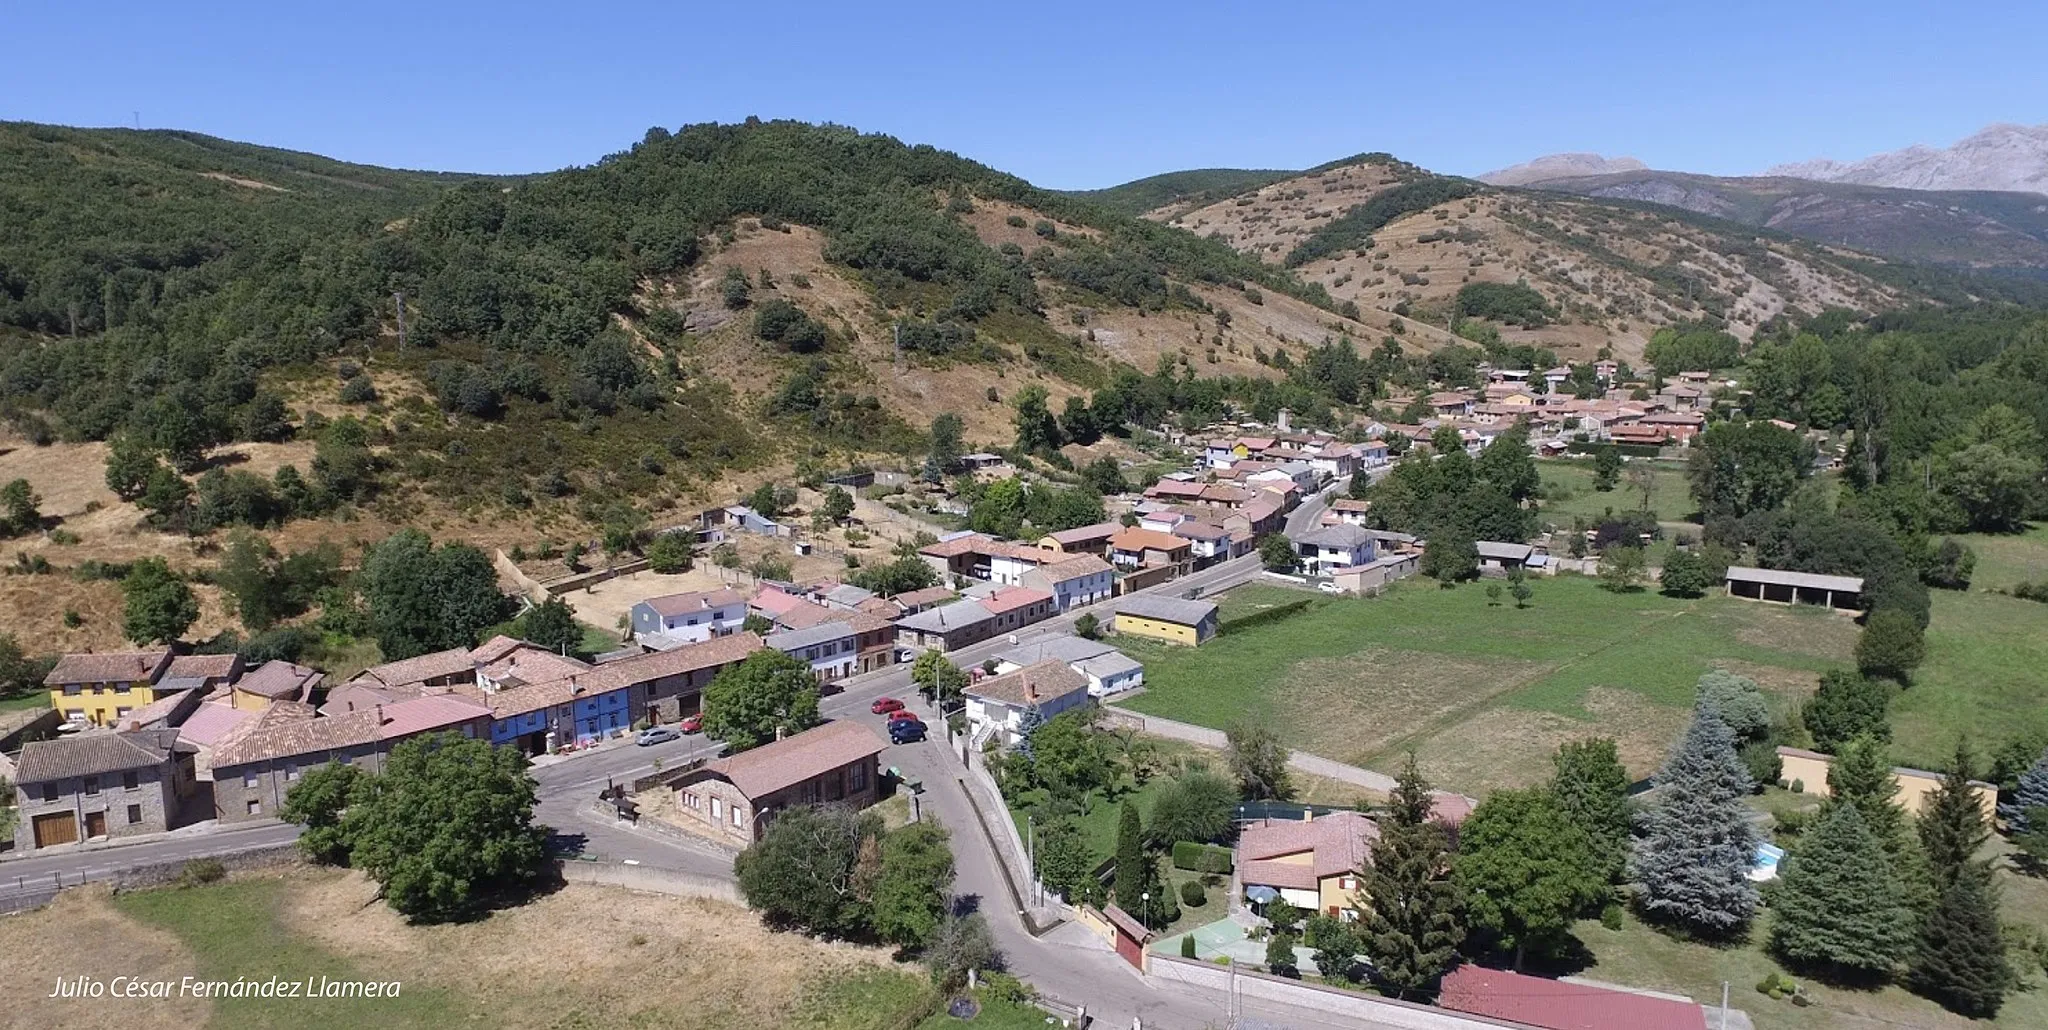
{"x":657,"y":735}
{"x":1327,"y":587}
{"x":692,"y":724}
{"x":903,"y":715}
{"x":904,"y":731}
{"x":885,"y":705}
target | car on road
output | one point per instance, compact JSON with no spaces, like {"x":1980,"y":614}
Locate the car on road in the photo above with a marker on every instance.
{"x":692,"y":724}
{"x":885,"y":705}
{"x":902,"y":715}
{"x":657,"y":735}
{"x":906,"y":731}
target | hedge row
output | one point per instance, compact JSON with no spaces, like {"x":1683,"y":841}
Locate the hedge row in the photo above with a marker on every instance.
{"x":1194,"y":857}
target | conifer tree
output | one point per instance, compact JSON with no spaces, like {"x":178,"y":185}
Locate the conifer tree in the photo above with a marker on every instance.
{"x":1591,"y":788}
{"x":1410,"y":907}
{"x":1860,"y":776}
{"x":2031,"y":793}
{"x":1951,"y":825}
{"x":1693,"y":864}
{"x":1839,"y":908}
{"x":1960,"y":961}
{"x":1131,"y":867}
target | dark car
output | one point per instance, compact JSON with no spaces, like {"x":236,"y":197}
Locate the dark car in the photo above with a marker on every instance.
{"x":906,"y":731}
{"x":884,"y":705}
{"x":657,"y":735}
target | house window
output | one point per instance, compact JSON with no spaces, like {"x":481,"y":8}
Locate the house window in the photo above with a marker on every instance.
{"x":248,"y":778}
{"x":71,"y":690}
{"x":717,"y":809}
{"x":291,"y":772}
{"x":737,"y":818}
{"x":129,"y":781}
{"x":92,"y":785}
{"x":860,"y":777}
{"x":134,"y":814}
{"x":49,"y":792}
{"x":255,"y":807}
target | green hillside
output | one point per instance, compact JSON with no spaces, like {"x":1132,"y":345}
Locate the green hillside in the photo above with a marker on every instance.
{"x":1193,"y":186}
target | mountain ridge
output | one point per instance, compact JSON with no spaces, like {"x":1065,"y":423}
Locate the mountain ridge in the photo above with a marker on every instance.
{"x":2004,"y":156}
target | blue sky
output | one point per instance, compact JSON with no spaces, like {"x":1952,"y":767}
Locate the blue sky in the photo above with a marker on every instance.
{"x":1067,"y":95}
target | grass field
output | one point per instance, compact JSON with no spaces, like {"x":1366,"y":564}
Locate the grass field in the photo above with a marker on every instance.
{"x":1568,"y":491}
{"x":583,"y":957}
{"x":2006,"y":559}
{"x":1483,"y":694}
{"x":1986,"y":675}
{"x":32,"y":703}
{"x":1640,"y":956}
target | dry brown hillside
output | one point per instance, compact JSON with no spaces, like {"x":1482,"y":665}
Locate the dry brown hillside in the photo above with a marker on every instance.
{"x":1615,"y":273}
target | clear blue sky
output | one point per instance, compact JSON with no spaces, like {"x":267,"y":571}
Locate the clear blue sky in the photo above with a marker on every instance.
{"x":1067,"y":95}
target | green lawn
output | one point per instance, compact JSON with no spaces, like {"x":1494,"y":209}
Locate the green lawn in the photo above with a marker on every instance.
{"x":1568,"y":490}
{"x":994,"y":1015}
{"x":1483,"y":694}
{"x":31,"y":703}
{"x":1098,"y":826}
{"x":2006,"y":559}
{"x":1639,"y":956}
{"x":1986,"y":675}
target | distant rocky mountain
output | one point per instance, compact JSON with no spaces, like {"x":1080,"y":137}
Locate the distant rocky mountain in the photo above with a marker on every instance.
{"x":1975,"y":229}
{"x":1560,"y":166}
{"x":2001,"y":157}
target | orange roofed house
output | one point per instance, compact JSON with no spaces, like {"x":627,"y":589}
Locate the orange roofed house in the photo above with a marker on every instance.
{"x":1312,"y":864}
{"x":734,"y":798}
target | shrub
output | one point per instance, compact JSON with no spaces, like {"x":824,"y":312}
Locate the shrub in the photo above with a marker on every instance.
{"x":779,"y":321}
{"x":201,"y":871}
{"x":1015,"y":221}
{"x":1187,"y":946}
{"x":358,"y":390}
{"x":1192,"y":894}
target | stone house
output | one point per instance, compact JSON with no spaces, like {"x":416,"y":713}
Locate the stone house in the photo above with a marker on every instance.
{"x":101,"y":785}
{"x":733,"y":799}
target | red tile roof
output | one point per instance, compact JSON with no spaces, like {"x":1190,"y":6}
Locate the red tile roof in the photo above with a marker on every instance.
{"x":1339,"y":842}
{"x":1012,"y":598}
{"x":1557,"y":1005}
{"x":111,"y":667}
{"x":1135,"y":539}
{"x":790,"y":761}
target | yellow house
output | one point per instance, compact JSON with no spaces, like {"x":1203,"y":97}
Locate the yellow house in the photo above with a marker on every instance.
{"x":1163,"y":618}
{"x":97,"y":689}
{"x":1315,"y":863}
{"x":1810,"y":770}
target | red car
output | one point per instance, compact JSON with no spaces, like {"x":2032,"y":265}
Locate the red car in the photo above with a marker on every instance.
{"x":901,"y":715}
{"x":692,"y":723}
{"x":885,"y":704}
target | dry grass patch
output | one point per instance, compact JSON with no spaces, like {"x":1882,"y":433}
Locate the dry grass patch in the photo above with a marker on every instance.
{"x":80,"y":934}
{"x":1512,"y":747}
{"x":1357,"y":707}
{"x":624,"y":957}
{"x":1784,"y":629}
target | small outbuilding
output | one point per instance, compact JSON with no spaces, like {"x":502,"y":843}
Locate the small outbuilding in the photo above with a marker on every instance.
{"x":1843,"y":593}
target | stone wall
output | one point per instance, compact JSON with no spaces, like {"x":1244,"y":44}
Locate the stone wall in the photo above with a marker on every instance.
{"x":1380,"y":1012}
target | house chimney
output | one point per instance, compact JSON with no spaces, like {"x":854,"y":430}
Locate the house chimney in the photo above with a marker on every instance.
{"x":779,"y":731}
{"x":1030,"y":690}
{"x":380,"y":713}
{"x":575,"y":688}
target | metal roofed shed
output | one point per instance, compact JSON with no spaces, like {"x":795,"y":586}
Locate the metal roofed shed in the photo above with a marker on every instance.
{"x":1842,"y":593}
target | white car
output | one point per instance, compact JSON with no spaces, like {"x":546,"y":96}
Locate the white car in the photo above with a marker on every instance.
{"x":1328,"y":587}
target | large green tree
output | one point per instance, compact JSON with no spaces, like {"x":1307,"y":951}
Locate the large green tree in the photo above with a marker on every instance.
{"x":1197,"y":805}
{"x":1258,"y":759}
{"x":1848,"y":705}
{"x":157,"y":606}
{"x":815,"y":868}
{"x":1410,"y":904}
{"x":1741,"y":467}
{"x":318,"y":803}
{"x":1891,"y":645}
{"x":552,"y":624}
{"x":1839,"y":909}
{"x":1960,"y":959}
{"x":914,"y":885}
{"x":1527,"y":870}
{"x":1693,"y":862}
{"x":747,"y":704}
{"x":424,"y":598}
{"x":446,"y":825}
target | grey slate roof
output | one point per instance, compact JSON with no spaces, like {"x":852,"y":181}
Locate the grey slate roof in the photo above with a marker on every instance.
{"x":1065,"y":647}
{"x":945,"y":617}
{"x":1809,"y":580}
{"x":1106,"y":666}
{"x":798,"y":639}
{"x":1508,"y":552}
{"x":1166,"y":608}
{"x":93,"y":754}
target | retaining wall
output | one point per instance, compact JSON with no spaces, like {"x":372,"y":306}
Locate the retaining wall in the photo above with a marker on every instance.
{"x":1382,"y":1012}
{"x":652,"y":880}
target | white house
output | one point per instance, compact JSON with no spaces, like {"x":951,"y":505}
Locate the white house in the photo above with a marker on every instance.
{"x":1334,"y":547}
{"x":832,"y":649}
{"x":1008,"y":562}
{"x":1077,"y":580}
{"x":997,"y":706}
{"x":1111,"y":673}
{"x":1334,"y":461}
{"x":1300,"y":473}
{"x":688,"y":618}
{"x":1206,"y":541}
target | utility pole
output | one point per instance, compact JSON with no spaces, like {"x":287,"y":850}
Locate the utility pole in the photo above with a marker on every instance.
{"x":1724,"y":1005}
{"x":399,"y":298}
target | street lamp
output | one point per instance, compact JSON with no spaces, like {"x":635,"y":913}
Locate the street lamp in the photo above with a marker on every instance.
{"x":1145,"y":907}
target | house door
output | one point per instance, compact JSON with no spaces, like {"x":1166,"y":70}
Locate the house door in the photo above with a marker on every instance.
{"x":95,"y":824}
{"x":56,"y":828}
